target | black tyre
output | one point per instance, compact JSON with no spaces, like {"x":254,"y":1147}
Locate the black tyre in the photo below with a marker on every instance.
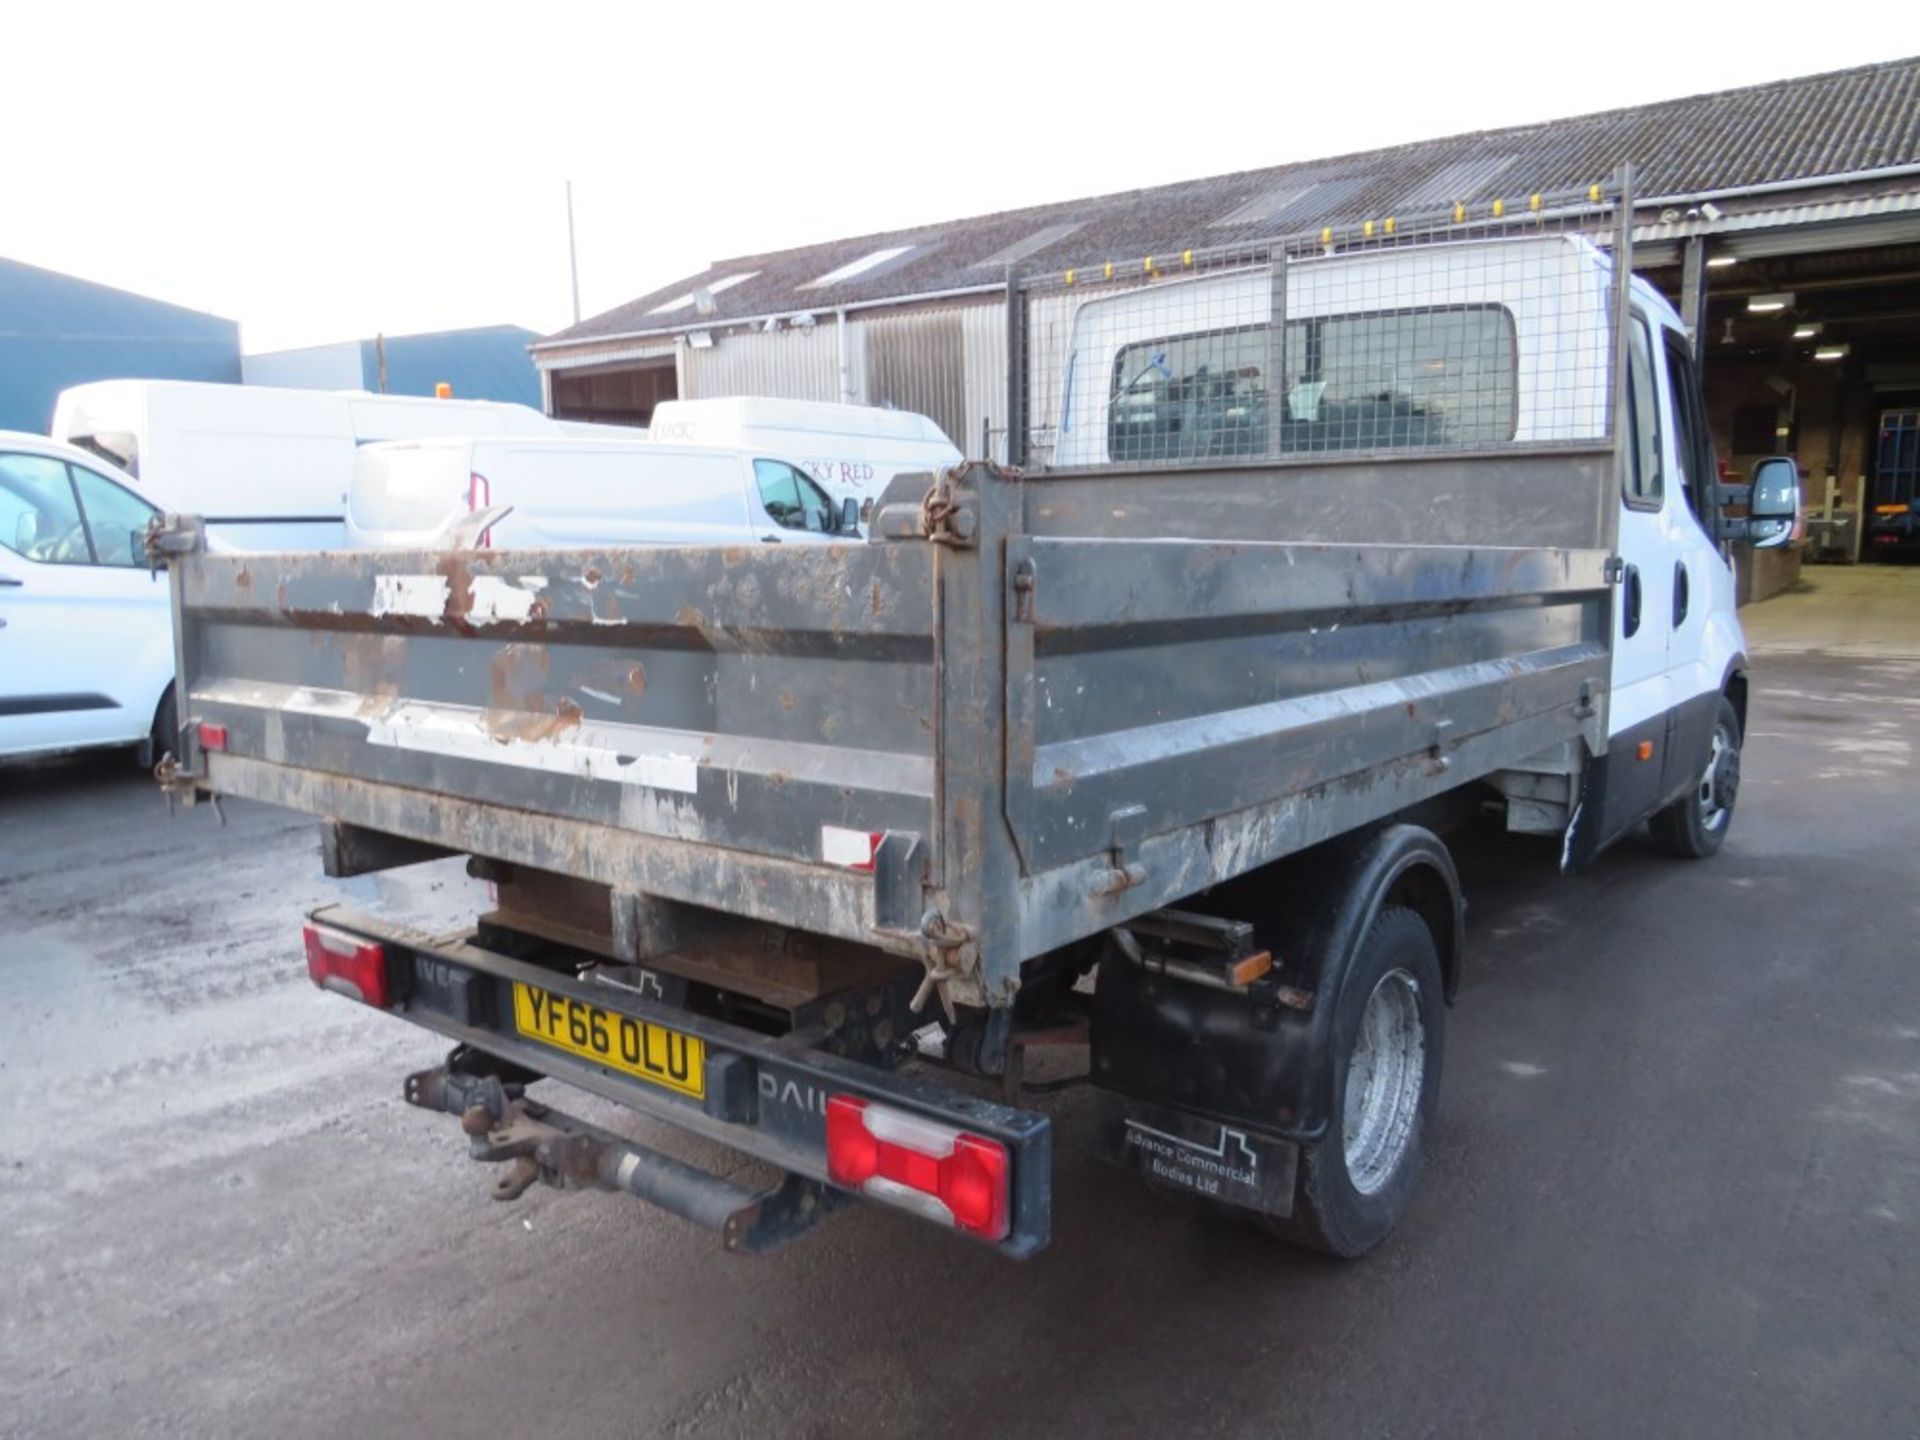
{"x":1388,"y":1036}
{"x":1695,"y":825}
{"x":165,"y":735}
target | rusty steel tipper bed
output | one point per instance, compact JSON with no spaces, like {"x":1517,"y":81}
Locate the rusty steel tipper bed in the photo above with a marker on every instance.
{"x":1025,"y":711}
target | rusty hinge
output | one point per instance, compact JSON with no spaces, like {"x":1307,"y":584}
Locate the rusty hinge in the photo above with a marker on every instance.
{"x":1125,"y":827}
{"x":1024,"y":582}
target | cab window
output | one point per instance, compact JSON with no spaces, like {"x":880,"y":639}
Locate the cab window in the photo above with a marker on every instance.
{"x":1375,"y":381}
{"x":792,"y":501}
{"x":116,"y":519}
{"x":1692,"y":445}
{"x":1644,"y":481}
{"x":61,"y":514}
{"x":39,"y":516}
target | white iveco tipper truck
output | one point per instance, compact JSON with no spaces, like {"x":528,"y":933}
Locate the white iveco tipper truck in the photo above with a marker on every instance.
{"x":1144,"y":746}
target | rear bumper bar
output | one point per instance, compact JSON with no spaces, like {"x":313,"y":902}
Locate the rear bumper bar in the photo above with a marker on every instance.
{"x":764,"y":1096}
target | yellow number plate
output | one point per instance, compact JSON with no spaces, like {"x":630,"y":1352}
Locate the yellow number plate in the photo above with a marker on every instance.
{"x":634,"y":1047}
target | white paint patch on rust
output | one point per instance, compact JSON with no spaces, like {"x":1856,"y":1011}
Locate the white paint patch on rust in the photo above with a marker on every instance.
{"x":580,"y":753}
{"x":423,"y":597}
{"x":495,"y":599}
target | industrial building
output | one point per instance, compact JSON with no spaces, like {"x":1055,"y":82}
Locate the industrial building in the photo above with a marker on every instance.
{"x":487,"y":362}
{"x":1784,"y":220}
{"x":57,"y":330}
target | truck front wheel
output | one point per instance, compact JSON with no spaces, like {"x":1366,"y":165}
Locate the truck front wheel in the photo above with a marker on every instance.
{"x":1355,"y":1182}
{"x":1694,"y":825}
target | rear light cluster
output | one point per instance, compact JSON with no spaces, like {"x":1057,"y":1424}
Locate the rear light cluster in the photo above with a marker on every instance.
{"x":479,"y":497}
{"x":348,"y":965}
{"x":212,"y":737}
{"x":938,"y":1172}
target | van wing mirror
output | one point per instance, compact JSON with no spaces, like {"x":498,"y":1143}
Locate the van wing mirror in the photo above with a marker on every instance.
{"x":850,"y":516}
{"x":1773,"y":502}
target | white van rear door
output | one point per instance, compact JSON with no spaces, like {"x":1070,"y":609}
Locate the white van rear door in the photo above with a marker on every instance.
{"x":403,"y":493}
{"x":573,"y":495}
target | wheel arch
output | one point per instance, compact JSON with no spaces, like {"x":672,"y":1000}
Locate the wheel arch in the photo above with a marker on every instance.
{"x":1406,"y":865}
{"x":1733,"y":685}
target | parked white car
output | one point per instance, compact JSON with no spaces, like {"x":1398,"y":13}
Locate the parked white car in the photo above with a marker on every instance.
{"x":567,"y":492}
{"x":852,"y":450}
{"x":265,"y":468}
{"x":86,"y":638}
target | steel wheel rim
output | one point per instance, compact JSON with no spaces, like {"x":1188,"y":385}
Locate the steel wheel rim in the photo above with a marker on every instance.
{"x":1384,"y":1080}
{"x":1714,"y":808}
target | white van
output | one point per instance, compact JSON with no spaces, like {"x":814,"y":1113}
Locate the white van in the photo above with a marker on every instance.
{"x":266,"y":468}
{"x":569,"y":492}
{"x":86,"y":630}
{"x":853,"y":450}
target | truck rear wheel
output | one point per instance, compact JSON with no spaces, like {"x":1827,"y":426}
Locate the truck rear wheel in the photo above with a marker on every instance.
{"x":1695,"y":825}
{"x":1356,"y":1181}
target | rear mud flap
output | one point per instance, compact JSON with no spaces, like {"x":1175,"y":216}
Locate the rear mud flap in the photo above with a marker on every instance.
{"x":1223,"y":1162}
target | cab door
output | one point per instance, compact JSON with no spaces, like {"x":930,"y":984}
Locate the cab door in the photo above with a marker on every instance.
{"x":1642,"y":680}
{"x":1703,"y":635}
{"x":86,"y":643}
{"x":792,"y":506}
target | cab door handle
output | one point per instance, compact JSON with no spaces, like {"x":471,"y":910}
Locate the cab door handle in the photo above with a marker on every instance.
{"x":8,"y":582}
{"x":1630,"y":602}
{"x":1679,"y":593}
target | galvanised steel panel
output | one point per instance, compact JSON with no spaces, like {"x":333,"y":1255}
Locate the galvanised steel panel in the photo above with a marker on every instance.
{"x":1177,"y":681}
{"x":741,"y":697}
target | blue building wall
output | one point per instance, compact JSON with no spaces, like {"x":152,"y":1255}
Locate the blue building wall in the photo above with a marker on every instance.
{"x":489,"y":362}
{"x":57,"y":331}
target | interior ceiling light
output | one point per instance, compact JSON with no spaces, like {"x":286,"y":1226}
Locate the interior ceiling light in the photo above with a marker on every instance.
{"x":1769,"y":304}
{"x":1721,"y":262}
{"x":1807,"y":330}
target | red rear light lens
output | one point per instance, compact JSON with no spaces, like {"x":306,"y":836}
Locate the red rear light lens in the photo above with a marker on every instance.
{"x":213,"y":737}
{"x":941,"y":1173}
{"x":348,"y":965}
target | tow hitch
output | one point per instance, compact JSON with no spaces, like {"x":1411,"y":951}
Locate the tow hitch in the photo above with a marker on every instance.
{"x":540,"y":1144}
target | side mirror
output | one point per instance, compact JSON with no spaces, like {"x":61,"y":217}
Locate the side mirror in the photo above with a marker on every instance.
{"x":1773,"y":503}
{"x":849,"y":516}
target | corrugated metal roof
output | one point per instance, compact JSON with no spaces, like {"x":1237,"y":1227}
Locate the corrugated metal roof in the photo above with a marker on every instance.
{"x":57,"y":330}
{"x":1803,"y":129}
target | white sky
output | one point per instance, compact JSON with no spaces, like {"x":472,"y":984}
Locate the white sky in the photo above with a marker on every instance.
{"x":323,"y":172}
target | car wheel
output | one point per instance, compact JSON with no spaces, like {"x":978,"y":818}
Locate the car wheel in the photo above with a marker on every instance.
{"x":164,"y":738}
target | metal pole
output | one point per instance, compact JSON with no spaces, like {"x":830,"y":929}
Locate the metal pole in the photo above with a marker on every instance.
{"x":1276,"y":349}
{"x":1693,"y":295}
{"x":380,"y":362}
{"x":1017,"y":385}
{"x":845,"y":357}
{"x":1617,"y":376}
{"x":573,"y":255}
